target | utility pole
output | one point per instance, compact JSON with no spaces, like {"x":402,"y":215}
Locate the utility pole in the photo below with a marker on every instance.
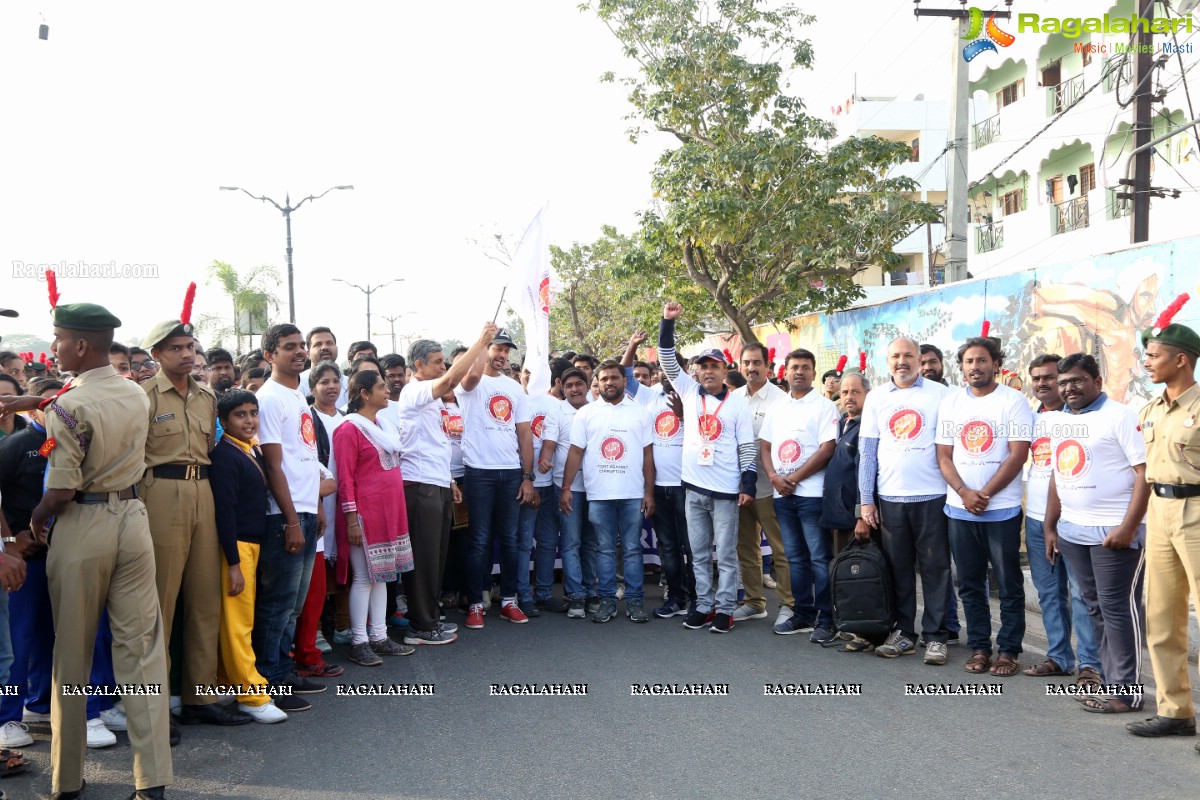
{"x":956,"y":216}
{"x":392,"y":323}
{"x":1142,"y":125}
{"x":368,"y":291}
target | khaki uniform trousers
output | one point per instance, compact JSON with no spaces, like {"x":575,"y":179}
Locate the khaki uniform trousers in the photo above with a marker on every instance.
{"x":188,"y":566}
{"x":1172,"y":571}
{"x":761,"y":515}
{"x":101,"y":555}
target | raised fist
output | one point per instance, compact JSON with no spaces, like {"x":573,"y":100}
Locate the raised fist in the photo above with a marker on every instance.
{"x":672,"y":310}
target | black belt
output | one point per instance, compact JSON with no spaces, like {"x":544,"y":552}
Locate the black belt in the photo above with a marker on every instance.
{"x":1176,"y":491}
{"x":99,"y":498}
{"x":181,"y":472}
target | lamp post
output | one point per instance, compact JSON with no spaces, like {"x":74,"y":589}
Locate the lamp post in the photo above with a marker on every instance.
{"x":286,"y":209}
{"x":370,"y":290}
{"x":392,"y":323}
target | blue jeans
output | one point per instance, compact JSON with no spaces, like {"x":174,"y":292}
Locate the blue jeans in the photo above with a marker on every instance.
{"x":806,"y":545}
{"x":491,"y":496}
{"x":974,"y":545}
{"x":538,"y":525}
{"x":283,"y":579}
{"x":571,"y":527}
{"x":674,"y":550}
{"x":612,"y":519}
{"x":1062,"y":604}
{"x":713,"y":521}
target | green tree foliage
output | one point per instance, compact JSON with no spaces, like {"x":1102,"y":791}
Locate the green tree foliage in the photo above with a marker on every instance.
{"x":759,"y":211}
{"x":253,"y":304}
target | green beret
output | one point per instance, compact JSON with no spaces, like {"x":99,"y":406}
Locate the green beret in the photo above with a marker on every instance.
{"x":166,"y":330}
{"x":36,"y":366}
{"x":84,"y":317}
{"x":1176,"y":335}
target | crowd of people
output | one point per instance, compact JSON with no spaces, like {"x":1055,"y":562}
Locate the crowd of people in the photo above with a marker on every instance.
{"x":267,"y":507}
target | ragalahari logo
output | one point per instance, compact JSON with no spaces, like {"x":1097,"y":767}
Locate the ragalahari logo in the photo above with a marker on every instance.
{"x":984,"y":37}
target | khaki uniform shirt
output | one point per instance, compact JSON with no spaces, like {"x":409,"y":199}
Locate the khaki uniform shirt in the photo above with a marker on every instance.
{"x":761,"y":402}
{"x":182,"y":430}
{"x":1172,"y":433}
{"x":98,"y":426}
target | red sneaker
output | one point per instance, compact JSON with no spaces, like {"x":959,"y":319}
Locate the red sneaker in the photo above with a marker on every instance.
{"x":475,"y":617}
{"x":321,"y":670}
{"x":512,"y":612}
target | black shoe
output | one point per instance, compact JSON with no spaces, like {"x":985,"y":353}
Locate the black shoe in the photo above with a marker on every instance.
{"x":698,"y":619}
{"x":212,"y":714}
{"x":70,"y":795}
{"x":722,"y":623}
{"x":304,"y":685}
{"x":529,"y":608}
{"x":156,"y":793}
{"x":176,"y":736}
{"x":1163,"y":726}
{"x":290,"y":703}
{"x":952,"y":637}
{"x":553,"y":605}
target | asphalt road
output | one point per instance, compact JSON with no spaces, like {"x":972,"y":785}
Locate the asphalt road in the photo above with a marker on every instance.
{"x":462,"y":742}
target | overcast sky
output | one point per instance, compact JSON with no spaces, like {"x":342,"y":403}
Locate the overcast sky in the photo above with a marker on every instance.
{"x":452,"y":121}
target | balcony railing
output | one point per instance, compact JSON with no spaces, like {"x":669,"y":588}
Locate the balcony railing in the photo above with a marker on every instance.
{"x":989,"y":237}
{"x":987,"y":131}
{"x":1070,"y":215}
{"x":1118,"y":207}
{"x":1119,"y":65}
{"x":1061,"y":97}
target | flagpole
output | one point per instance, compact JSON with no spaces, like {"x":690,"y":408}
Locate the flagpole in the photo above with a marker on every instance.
{"x":497,"y":314}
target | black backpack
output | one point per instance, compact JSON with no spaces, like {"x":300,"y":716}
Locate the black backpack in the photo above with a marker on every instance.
{"x":861,"y":587}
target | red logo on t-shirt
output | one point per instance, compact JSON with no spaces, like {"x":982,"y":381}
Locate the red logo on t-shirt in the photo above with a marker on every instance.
{"x":977,"y":438}
{"x":906,"y":424}
{"x":1071,"y":460}
{"x":307,"y":432}
{"x":537,"y":425}
{"x":710,"y":427}
{"x":501,"y":408}
{"x":1041,"y":452}
{"x":612,"y":448}
{"x":666,"y":425}
{"x":790,"y":451}
{"x":452,"y":425}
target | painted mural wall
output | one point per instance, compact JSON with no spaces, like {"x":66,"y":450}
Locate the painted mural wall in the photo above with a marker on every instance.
{"x":1097,"y":305}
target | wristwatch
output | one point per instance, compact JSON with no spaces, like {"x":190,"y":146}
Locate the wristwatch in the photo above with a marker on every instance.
{"x":9,"y":540}
{"x":527,"y":476}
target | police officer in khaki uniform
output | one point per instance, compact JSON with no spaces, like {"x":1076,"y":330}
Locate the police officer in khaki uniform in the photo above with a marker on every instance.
{"x":101,"y":554}
{"x":179,"y":502}
{"x":1171,"y":426}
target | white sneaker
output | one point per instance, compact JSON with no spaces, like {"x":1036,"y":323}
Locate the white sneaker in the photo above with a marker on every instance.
{"x":99,"y":736}
{"x":15,"y":734}
{"x":267,"y":713}
{"x":114,"y":719}
{"x":745,"y":612}
{"x":769,"y":582}
{"x":785,"y":613}
{"x":34,"y":716}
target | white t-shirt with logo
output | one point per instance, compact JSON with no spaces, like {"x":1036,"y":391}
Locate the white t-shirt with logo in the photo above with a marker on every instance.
{"x":667,"y":432}
{"x":566,"y":420}
{"x":796,"y":428}
{"x":980,"y":429}
{"x":390,"y":415}
{"x":761,"y":403}
{"x":490,"y":414}
{"x":614,"y":438}
{"x":1093,"y":460}
{"x":1037,"y":481}
{"x":424,"y":448}
{"x":541,"y":412}
{"x":452,"y":426}
{"x":284,"y":419}
{"x":723,"y":425}
{"x":905,"y":423}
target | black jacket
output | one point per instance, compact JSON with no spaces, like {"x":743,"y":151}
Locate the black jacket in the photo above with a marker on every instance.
{"x":840,"y":499}
{"x":22,"y":469}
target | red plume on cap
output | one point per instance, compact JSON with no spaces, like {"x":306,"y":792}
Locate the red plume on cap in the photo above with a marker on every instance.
{"x":52,"y":287}
{"x":781,"y":371}
{"x":862,"y":362}
{"x":771,"y":355}
{"x":728,"y":355}
{"x":1164,"y":319}
{"x":987,"y":327}
{"x":41,"y":358}
{"x":841,"y":365}
{"x":185,"y":316}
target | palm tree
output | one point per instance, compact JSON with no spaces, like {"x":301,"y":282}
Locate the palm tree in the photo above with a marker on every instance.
{"x":253,"y":303}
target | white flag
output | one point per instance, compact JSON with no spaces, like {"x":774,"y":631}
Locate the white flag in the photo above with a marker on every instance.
{"x":531,"y":276}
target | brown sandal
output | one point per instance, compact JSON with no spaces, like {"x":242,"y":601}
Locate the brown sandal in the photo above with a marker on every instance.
{"x":1045,"y":669}
{"x":11,"y":762}
{"x":1088,"y":677}
{"x":1005,"y":666}
{"x":1106,"y":705}
{"x":978,"y":662}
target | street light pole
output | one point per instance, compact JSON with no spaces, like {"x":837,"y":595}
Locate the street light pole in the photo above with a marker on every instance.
{"x":370,"y":290}
{"x":286,"y":209}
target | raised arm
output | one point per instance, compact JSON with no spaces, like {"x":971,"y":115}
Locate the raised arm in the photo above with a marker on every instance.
{"x":666,"y":348}
{"x":465,"y":364}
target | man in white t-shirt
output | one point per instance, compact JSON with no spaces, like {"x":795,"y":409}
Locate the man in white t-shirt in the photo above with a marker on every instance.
{"x":577,"y":542}
{"x":983,"y":435}
{"x":429,"y":490}
{"x":718,"y":473}
{"x":498,"y":452}
{"x":611,"y":441}
{"x":796,"y":442}
{"x":1096,"y":517}
{"x":903,"y":494}
{"x":762,"y":397}
{"x":1062,"y":605}
{"x":322,"y":346}
{"x":540,"y":523}
{"x":295,"y":518}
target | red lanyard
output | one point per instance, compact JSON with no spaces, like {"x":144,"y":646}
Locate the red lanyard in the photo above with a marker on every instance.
{"x":704,"y":413}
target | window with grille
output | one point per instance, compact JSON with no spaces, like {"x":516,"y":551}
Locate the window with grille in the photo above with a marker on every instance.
{"x":1011,"y":93}
{"x":1087,"y":56}
{"x":1087,"y":179}
{"x":1012,"y":202}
